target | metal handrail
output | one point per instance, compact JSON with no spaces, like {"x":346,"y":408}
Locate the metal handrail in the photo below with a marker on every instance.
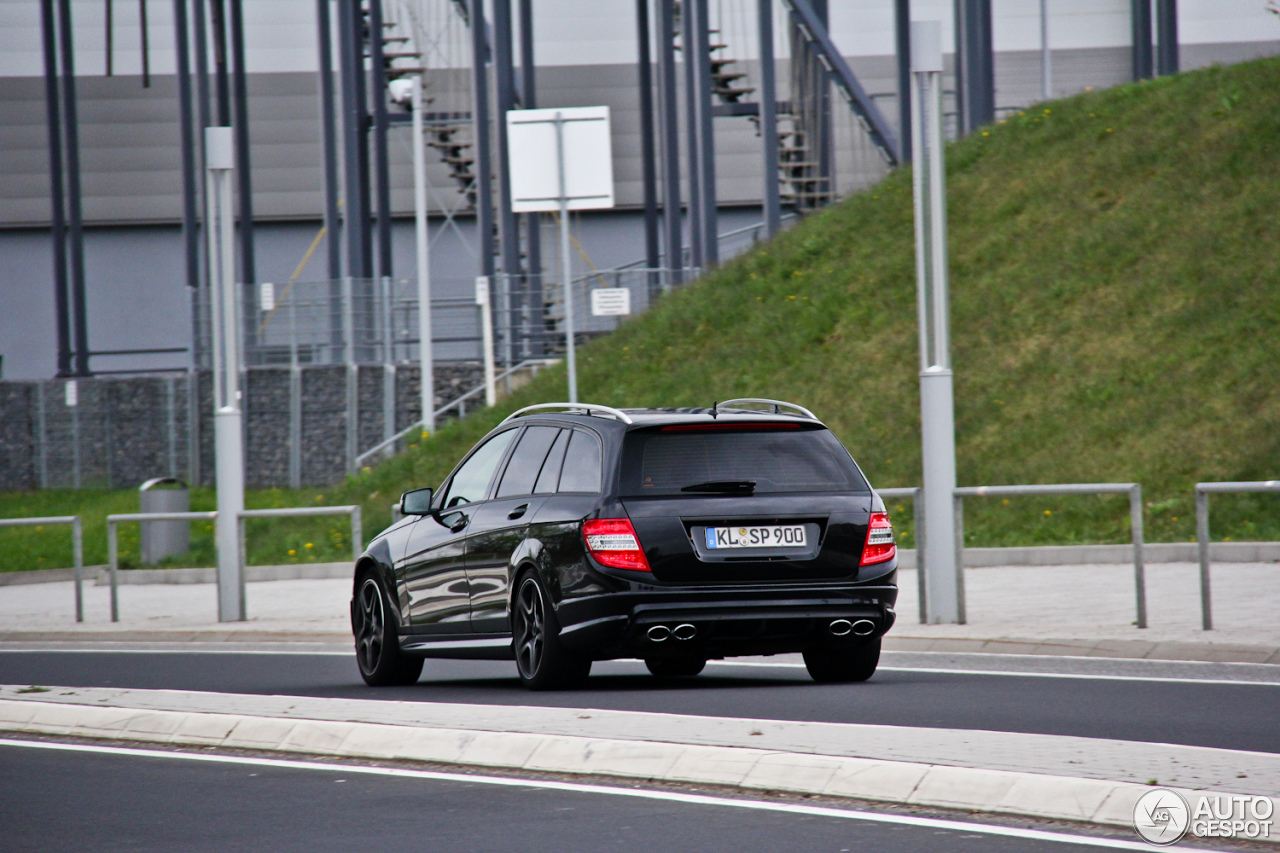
{"x":77,"y":547}
{"x":777,"y":405}
{"x":454,"y":403}
{"x":1203,"y":490}
{"x":353,"y":510}
{"x":1134,"y":490}
{"x":587,"y":408}
{"x":113,"y":543}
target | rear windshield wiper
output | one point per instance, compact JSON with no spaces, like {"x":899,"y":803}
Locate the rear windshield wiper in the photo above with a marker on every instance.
{"x":728,"y":487}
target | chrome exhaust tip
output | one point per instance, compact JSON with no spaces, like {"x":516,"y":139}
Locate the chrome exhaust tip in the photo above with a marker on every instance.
{"x":863,"y":627}
{"x":658,"y":633}
{"x":684,"y":632}
{"x":840,"y":627}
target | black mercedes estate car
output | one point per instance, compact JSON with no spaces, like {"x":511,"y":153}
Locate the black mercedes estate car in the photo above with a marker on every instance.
{"x":574,"y":533}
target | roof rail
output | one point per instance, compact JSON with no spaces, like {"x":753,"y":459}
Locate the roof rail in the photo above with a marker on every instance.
{"x":584,"y":408}
{"x":777,"y":406}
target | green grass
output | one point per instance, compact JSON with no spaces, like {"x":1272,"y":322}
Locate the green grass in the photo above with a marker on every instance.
{"x":1115,"y":303}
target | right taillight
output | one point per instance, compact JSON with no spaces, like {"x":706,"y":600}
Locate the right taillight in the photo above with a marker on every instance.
{"x":613,"y":542}
{"x":879,"y":545}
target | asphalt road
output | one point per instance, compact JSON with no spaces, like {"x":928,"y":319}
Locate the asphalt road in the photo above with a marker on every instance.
{"x":1120,"y":701}
{"x":82,"y":798}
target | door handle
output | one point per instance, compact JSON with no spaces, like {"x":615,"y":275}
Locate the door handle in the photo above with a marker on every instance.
{"x":460,"y":521}
{"x":518,"y":511}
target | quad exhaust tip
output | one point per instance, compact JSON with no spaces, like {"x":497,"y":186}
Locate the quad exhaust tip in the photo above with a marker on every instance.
{"x":658,"y":633}
{"x":684,"y":632}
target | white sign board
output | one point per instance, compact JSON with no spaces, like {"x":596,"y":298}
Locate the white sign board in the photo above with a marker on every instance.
{"x":610,"y":302}
{"x":534,"y":158}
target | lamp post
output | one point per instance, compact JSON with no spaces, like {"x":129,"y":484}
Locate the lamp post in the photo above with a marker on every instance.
{"x":943,"y":594}
{"x":422,"y":245}
{"x":227,"y":416}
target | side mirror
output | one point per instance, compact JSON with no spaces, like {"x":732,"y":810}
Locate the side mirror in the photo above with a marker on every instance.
{"x":417,"y":502}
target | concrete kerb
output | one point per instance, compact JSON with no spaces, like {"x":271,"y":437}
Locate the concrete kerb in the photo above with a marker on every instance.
{"x":897,"y":782}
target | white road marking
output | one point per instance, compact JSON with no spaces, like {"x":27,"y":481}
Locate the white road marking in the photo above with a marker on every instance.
{"x":747,"y":664}
{"x":1076,"y":675}
{"x":607,"y":790}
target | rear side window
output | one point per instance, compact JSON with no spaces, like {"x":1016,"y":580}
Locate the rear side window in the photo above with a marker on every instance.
{"x":549,"y":479}
{"x":526,"y":461}
{"x":658,"y":462}
{"x":581,"y":464}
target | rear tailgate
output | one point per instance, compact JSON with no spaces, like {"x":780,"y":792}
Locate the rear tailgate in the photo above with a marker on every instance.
{"x":673,"y":533}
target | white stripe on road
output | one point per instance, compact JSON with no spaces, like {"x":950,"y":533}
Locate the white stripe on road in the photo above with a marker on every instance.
{"x":577,"y":787}
{"x":746,"y":664}
{"x":1076,"y":675}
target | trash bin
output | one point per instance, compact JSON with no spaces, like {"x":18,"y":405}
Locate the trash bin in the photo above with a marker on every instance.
{"x":161,"y":539}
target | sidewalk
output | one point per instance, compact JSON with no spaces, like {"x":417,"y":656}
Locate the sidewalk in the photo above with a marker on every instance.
{"x":1064,"y":610}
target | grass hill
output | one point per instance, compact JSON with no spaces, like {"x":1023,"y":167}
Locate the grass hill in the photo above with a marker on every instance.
{"x":1115,"y":280}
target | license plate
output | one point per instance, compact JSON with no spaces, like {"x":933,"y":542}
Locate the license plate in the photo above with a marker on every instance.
{"x":771,"y":536}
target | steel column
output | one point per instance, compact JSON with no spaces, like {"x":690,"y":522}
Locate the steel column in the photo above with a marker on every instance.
{"x":1140,"y":19}
{"x":1167,"y":61}
{"x":248,"y":271}
{"x":381,"y":168}
{"x":532,"y":222}
{"x":902,"y":44}
{"x":648,"y":166}
{"x":190,"y":224}
{"x":689,"y":46}
{"x":480,"y":123}
{"x":672,"y":212}
{"x":706,"y":136}
{"x":975,"y":68}
{"x":350,"y":66}
{"x":769,"y":119}
{"x":71,"y":130}
{"x":508,"y":229}
{"x":57,"y":203}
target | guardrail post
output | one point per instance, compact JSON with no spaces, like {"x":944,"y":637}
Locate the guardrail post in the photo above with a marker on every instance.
{"x":242,"y":557}
{"x":77,"y":552}
{"x":961,"y":616}
{"x":1139,"y":569}
{"x":922,"y":588}
{"x":113,"y":562}
{"x":357,"y":533}
{"x":1202,"y":546}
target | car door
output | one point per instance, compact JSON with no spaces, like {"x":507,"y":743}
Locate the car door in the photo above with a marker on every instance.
{"x":435,"y":579}
{"x":499,"y":526}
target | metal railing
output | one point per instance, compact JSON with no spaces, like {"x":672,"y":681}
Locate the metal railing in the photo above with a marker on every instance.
{"x":113,"y":543}
{"x":1134,"y":490}
{"x":353,"y":510}
{"x":915,"y":494}
{"x":77,"y":547}
{"x":459,"y":403}
{"x":1203,"y":490}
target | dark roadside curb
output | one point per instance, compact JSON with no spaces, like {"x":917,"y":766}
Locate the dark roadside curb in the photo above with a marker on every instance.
{"x":1161,"y":650}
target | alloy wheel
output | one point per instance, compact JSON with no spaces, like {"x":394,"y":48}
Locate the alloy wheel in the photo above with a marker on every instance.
{"x":369,"y":630}
{"x":530,"y":628}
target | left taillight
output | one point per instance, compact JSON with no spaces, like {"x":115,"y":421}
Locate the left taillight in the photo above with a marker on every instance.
{"x":613,"y":542}
{"x":879,"y":546}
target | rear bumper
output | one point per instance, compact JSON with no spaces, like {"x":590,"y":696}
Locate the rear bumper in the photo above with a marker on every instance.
{"x":725,"y":623}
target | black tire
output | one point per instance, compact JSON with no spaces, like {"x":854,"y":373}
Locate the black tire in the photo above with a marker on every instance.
{"x":541,"y":661}
{"x":834,"y":665}
{"x":378,"y":654}
{"x":675,"y":667}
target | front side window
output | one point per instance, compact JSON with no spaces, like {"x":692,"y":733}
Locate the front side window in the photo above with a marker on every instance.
{"x":471,"y":482}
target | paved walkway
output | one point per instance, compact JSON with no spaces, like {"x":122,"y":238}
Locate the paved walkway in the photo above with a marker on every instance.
{"x":1077,"y":610}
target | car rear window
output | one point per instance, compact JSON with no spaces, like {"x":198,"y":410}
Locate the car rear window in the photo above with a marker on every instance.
{"x":667,"y":461}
